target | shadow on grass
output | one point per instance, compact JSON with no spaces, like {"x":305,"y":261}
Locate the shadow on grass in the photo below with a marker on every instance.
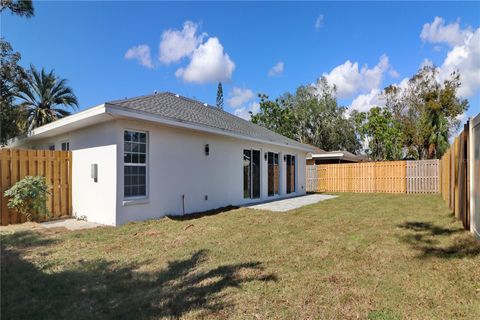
{"x":198,"y":215}
{"x":426,"y":237}
{"x":103,"y":289}
{"x":24,"y":239}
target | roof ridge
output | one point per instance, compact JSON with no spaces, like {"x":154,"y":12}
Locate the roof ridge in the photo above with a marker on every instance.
{"x":207,"y":108}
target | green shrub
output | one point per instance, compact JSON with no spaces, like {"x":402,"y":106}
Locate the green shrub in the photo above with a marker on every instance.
{"x":28,"y":196}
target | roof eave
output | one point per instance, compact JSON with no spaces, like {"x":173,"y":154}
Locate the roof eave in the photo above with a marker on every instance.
{"x":67,"y":124}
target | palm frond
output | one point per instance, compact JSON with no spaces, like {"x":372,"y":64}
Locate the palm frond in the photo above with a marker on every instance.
{"x":45,"y":97}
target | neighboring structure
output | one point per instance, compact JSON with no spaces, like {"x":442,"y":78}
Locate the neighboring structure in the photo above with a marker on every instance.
{"x":164,"y":154}
{"x":320,"y":156}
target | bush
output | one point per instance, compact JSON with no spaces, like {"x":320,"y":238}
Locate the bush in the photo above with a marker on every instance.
{"x":28,"y":196}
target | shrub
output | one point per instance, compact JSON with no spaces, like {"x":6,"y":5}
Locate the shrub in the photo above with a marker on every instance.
{"x":28,"y":196}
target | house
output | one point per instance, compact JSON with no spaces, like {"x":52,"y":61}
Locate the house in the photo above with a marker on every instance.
{"x":319,"y":156}
{"x":163,"y":154}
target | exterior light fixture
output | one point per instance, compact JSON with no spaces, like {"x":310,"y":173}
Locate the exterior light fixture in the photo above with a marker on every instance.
{"x":94,"y":172}
{"x":284,"y":158}
{"x":265,"y":156}
{"x":207,"y":149}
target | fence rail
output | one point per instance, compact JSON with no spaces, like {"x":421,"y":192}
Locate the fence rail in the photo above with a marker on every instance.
{"x":375,"y":177}
{"x":55,"y":166}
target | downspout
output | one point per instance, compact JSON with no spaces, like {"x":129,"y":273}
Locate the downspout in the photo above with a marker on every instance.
{"x":183,"y":204}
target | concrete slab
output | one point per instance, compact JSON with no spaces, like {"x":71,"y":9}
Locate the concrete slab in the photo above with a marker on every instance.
{"x":70,"y":224}
{"x":291,"y":203}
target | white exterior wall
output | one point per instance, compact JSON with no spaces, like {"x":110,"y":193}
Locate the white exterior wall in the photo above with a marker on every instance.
{"x":177,"y":165}
{"x":96,"y":201}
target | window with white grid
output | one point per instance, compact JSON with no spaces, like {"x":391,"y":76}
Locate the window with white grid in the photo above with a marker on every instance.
{"x":135,"y":164}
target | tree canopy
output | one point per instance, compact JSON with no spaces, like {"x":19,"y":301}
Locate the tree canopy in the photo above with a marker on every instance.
{"x":18,"y":7}
{"x":311,"y":115}
{"x":417,"y":120}
{"x":45,"y":97}
{"x":219,"y":96}
{"x":12,"y":75}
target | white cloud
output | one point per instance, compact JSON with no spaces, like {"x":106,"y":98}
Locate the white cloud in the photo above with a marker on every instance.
{"x":177,"y":44}
{"x":350,"y":79}
{"x":277,"y":69}
{"x":209,"y":63}
{"x":393,"y":73}
{"x":466,"y":59}
{"x":239,"y":96}
{"x":426,"y":63}
{"x":374,"y":98}
{"x":463,"y":56}
{"x":365,"y":102}
{"x":438,"y":32}
{"x":319,"y":22}
{"x":142,"y":54}
{"x":244,"y":112}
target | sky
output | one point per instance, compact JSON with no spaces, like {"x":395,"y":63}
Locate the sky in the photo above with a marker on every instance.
{"x":113,"y":50}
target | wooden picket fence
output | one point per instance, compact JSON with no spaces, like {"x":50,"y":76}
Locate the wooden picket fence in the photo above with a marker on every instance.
{"x":420,"y":176}
{"x":55,"y":166}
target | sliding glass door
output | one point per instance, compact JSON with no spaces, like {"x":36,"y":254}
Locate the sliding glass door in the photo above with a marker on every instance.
{"x":251,"y":174}
{"x":290,"y":173}
{"x":273,"y":173}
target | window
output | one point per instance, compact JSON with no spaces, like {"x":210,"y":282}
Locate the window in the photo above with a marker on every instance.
{"x":251,"y":174}
{"x":135,"y":164}
{"x":290,"y":173}
{"x":65,"y":146}
{"x":272,"y":173}
{"x":51,"y":147}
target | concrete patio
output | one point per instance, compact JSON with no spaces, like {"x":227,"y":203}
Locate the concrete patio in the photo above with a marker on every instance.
{"x":291,"y":203}
{"x":69,"y":224}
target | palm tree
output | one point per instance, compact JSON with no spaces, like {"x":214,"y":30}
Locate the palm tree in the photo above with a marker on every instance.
{"x":45,"y":97}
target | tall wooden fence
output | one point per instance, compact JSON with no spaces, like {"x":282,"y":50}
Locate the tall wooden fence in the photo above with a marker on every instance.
{"x":460,"y":172}
{"x":383,"y":177}
{"x":55,"y":166}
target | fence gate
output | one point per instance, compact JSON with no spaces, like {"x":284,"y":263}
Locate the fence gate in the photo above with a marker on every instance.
{"x":55,"y":166}
{"x":423,"y":176}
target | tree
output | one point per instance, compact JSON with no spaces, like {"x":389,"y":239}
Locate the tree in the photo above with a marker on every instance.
{"x":275,"y":115}
{"x":320,"y":121}
{"x":427,"y":110}
{"x":18,"y":7}
{"x":382,"y":134}
{"x":312,"y":116}
{"x":220,"y":96}
{"x":12,"y":118}
{"x":45,"y":97}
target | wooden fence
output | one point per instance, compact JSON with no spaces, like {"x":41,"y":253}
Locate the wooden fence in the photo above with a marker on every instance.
{"x":382,"y":177}
{"x":55,"y":166}
{"x":460,"y":172}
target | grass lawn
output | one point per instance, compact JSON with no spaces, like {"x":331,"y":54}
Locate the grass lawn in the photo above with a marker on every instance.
{"x":366,"y":256}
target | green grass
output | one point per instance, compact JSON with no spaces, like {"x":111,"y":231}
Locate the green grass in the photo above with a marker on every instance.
{"x":366,"y":256}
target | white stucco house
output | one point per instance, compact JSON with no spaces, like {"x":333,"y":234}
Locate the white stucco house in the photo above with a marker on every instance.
{"x":163,"y":154}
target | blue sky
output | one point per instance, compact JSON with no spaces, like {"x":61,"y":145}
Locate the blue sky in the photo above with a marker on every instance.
{"x":102,"y":47}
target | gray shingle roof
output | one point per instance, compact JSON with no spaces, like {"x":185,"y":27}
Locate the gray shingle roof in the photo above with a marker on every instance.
{"x":178,"y":108}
